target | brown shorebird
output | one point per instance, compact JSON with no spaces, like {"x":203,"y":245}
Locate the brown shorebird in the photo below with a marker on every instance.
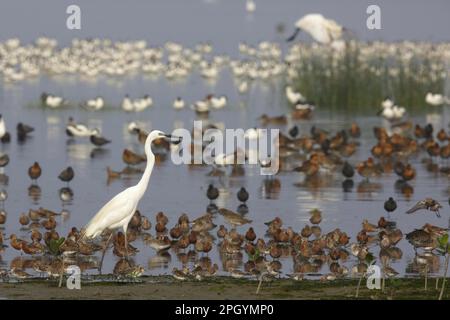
{"x":233,"y":218}
{"x":427,"y":204}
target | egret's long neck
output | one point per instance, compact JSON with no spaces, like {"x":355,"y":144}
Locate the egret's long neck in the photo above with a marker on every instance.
{"x":143,"y":183}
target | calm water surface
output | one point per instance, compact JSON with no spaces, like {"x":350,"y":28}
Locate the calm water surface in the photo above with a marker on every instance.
{"x":177,"y":189}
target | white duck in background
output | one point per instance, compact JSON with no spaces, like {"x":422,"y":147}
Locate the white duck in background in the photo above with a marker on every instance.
{"x":74,"y":129}
{"x":94,"y":104}
{"x":178,"y":104}
{"x":293,"y":96}
{"x":136,"y":105}
{"x":143,"y":103}
{"x":52,"y":101}
{"x":201,"y":106}
{"x":243,"y":87}
{"x":321,"y":29}
{"x":127,"y":104}
{"x":219,"y":102}
{"x":2,"y":127}
{"x":436,"y":99}
{"x":393,"y":113}
{"x":387,"y":103}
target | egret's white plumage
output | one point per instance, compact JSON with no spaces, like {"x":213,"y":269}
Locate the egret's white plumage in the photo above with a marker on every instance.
{"x":321,"y":29}
{"x":118,"y":212}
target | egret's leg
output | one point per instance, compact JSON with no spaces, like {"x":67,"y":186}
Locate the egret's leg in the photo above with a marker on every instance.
{"x":126,"y":242}
{"x":103,"y":253}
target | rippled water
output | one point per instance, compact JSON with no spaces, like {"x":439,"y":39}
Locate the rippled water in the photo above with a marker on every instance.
{"x":177,"y":189}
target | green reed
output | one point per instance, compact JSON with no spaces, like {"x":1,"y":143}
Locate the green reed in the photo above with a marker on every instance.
{"x":362,"y":75}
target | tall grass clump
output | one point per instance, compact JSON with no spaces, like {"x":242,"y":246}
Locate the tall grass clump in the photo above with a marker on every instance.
{"x":359,"y":75}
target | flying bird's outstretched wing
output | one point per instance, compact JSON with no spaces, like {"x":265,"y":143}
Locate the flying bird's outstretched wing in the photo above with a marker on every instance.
{"x":418,"y":206}
{"x":291,"y":38}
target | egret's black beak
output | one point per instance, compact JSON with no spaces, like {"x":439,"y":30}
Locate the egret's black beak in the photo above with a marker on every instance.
{"x":173,"y":139}
{"x":297,"y":30}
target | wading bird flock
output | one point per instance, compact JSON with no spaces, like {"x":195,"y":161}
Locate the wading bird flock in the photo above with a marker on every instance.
{"x":313,"y":155}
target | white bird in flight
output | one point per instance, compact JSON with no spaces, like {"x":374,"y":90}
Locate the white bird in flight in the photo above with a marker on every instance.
{"x":118,"y":212}
{"x":321,"y":29}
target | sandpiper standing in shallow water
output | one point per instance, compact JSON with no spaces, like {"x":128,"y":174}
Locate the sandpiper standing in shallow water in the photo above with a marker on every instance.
{"x":35,"y":171}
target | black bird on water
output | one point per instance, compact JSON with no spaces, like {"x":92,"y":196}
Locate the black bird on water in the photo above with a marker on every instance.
{"x":347,"y":170}
{"x":66,"y":175}
{"x":212,"y":193}
{"x":6,"y":138}
{"x":242,"y":195}
{"x":390,"y":205}
{"x":23,"y":130}
{"x":293,"y":132}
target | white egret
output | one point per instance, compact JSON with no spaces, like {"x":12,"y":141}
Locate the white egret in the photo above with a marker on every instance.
{"x":118,"y":212}
{"x":321,"y":29}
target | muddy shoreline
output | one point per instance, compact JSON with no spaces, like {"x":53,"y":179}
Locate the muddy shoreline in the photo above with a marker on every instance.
{"x":221,"y":288}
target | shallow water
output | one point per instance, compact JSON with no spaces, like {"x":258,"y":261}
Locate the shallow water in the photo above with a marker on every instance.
{"x":177,"y":189}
